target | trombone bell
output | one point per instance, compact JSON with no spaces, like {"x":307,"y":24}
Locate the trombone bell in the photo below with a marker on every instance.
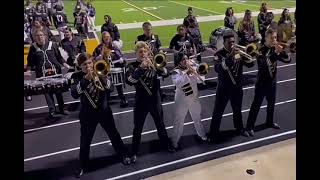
{"x":101,"y":68}
{"x":160,"y":60}
{"x":203,"y":69}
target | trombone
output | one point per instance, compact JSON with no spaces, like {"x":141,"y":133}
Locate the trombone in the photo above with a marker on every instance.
{"x":202,"y":69}
{"x":249,"y":51}
{"x":289,"y":46}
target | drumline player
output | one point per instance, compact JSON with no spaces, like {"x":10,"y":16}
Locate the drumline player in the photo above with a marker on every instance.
{"x":116,"y":55}
{"x":45,"y":59}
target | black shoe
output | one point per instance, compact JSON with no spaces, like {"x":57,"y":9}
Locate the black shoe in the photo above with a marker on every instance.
{"x":250,"y":132}
{"x":126,"y":160}
{"x":170,"y":148}
{"x":64,"y":112}
{"x":52,"y":115}
{"x":274,"y":126}
{"x":242,"y":132}
{"x":202,"y":139}
{"x":79,"y":173}
{"x":163,"y":96}
{"x":133,"y":159}
{"x":123,"y":103}
{"x":214,"y":139}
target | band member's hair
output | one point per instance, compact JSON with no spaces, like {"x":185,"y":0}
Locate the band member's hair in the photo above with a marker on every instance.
{"x":270,"y":14}
{"x":110,"y":42}
{"x":283,"y":15}
{"x":69,"y":29}
{"x":139,"y":45}
{"x":34,"y":32}
{"x":178,"y":57}
{"x":145,"y":24}
{"x":189,"y":8}
{"x":246,"y":13}
{"x":270,"y":31}
{"x":179,"y":26}
{"x":83,"y":57}
{"x":227,"y":11}
{"x":227,"y":35}
{"x":109,"y":18}
{"x":263,"y":7}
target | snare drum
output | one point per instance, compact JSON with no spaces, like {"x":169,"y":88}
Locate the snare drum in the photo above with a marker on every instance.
{"x":117,"y":76}
{"x":57,"y":85}
{"x":37,"y":87}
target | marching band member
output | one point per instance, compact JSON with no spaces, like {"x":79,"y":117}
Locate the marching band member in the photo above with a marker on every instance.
{"x":195,"y":34}
{"x":45,"y":59}
{"x":153,"y":42}
{"x":246,"y":29}
{"x":151,"y":39}
{"x":113,"y":30}
{"x":262,"y":16}
{"x":190,"y":19}
{"x":268,"y":23}
{"x":39,"y":25}
{"x":285,"y":17}
{"x":186,"y":98}
{"x":229,"y":66}
{"x":270,"y":53}
{"x":230,"y":20}
{"x":144,"y":76}
{"x":106,"y":42}
{"x":182,"y":42}
{"x":73,"y":45}
{"x":95,"y":109}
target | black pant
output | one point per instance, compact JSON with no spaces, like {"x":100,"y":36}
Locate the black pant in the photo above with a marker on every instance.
{"x":260,"y":92}
{"x":141,"y":111}
{"x":120,"y":92}
{"x":88,"y":124}
{"x":51,"y":104}
{"x":222,"y":97}
{"x":82,"y":32}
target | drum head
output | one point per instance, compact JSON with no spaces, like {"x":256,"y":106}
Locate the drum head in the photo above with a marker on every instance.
{"x":216,"y":37}
{"x":116,"y":70}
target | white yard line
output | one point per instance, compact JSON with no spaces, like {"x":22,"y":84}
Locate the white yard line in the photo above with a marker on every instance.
{"x":171,"y":22}
{"x":187,"y":5}
{"x":142,"y":10}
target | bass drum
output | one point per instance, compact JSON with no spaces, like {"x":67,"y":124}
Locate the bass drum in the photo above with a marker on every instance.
{"x":216,"y":37}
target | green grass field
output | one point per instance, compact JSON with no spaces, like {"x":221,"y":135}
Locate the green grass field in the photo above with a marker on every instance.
{"x":122,"y":12}
{"x":167,"y":32}
{"x":130,"y":11}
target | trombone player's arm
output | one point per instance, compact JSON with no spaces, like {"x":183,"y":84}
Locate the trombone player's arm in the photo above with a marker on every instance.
{"x":134,"y":74}
{"x":221,"y":63}
{"x":180,"y":79}
{"x":162,"y":72}
{"x":78,"y":86}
